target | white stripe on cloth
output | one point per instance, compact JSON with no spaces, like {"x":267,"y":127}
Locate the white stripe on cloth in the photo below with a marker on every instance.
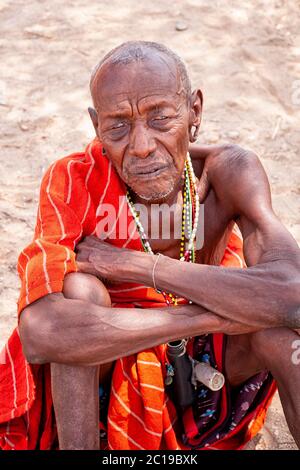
{"x":237,"y":232}
{"x":86,"y":183}
{"x":62,"y":228}
{"x":41,"y":222}
{"x":237,"y":256}
{"x":118,"y":216}
{"x":21,"y":267}
{"x":128,"y":378}
{"x":136,"y":390}
{"x":154,"y":387}
{"x":27,"y":397}
{"x":14,"y":381}
{"x":26,"y":278}
{"x":92,"y":166}
{"x":9,"y":442}
{"x":130,"y":237}
{"x":149,"y":363}
{"x":107,"y":184}
{"x":149,"y":431}
{"x":89,"y":196}
{"x":66,"y":260}
{"x":104,"y":193}
{"x":39,"y":244}
{"x":70,"y":181}
{"x":110,"y":447}
{"x":116,"y":291}
{"x":27,"y":392}
{"x":153,"y":410}
{"x":171,"y":426}
{"x":124,"y":434}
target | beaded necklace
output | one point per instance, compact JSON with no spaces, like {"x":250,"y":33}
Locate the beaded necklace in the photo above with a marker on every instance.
{"x":190,"y":218}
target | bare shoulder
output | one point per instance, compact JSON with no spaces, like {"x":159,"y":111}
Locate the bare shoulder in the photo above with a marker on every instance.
{"x":229,"y":160}
{"x":239,"y":179}
{"x":232,"y":172}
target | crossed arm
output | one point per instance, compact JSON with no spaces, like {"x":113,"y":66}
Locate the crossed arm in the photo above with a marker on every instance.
{"x":266,"y":294}
{"x":232,"y":301}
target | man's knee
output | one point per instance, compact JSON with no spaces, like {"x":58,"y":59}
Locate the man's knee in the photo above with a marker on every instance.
{"x":240,"y":361}
{"x":273,"y":345}
{"x":87,"y":287}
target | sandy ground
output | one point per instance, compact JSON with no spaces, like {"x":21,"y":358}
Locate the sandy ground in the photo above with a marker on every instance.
{"x":244,"y":56}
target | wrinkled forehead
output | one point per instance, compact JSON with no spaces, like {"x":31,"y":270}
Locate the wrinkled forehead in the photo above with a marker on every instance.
{"x":151,"y":78}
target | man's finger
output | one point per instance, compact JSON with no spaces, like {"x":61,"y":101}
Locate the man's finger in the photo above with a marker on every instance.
{"x":94,"y":241}
{"x":83,"y":253}
{"x":86,"y":267}
{"x":89,"y":240}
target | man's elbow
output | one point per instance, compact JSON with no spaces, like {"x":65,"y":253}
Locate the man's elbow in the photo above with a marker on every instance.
{"x":292,"y":297}
{"x":33,"y":337}
{"x":294,"y":316}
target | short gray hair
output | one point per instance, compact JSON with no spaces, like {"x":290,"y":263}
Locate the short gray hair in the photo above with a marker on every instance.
{"x":134,"y":51}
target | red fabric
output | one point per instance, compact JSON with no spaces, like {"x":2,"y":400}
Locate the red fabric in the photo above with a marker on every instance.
{"x":140,"y":414}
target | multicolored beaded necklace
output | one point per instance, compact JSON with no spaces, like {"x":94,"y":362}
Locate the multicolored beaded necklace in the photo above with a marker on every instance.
{"x":190,"y":218}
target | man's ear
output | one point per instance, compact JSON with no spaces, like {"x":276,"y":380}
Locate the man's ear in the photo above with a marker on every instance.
{"x":196,"y":102}
{"x":94,"y":117}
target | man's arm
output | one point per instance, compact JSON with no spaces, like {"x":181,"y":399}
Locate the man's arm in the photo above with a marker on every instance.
{"x":53,"y":325}
{"x":264,"y":295}
{"x":61,"y":330}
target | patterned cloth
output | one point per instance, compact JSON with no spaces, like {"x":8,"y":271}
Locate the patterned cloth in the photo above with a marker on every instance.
{"x":140,"y":415}
{"x":218,"y":419}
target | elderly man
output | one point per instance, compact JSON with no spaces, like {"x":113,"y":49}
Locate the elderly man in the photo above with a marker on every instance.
{"x":89,"y":306}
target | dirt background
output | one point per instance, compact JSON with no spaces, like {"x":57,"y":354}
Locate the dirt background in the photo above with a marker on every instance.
{"x":244,"y":55}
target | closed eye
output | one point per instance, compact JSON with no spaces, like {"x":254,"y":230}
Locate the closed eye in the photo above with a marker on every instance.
{"x":118,"y":126}
{"x":161,"y":118}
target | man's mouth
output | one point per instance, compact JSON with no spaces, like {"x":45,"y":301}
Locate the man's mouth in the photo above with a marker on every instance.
{"x":149,"y":171}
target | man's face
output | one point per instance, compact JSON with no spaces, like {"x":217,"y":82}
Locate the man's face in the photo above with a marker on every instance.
{"x":143,"y":124}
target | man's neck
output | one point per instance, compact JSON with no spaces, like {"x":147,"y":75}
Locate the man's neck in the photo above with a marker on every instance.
{"x":161,"y":219}
{"x":172,"y":198}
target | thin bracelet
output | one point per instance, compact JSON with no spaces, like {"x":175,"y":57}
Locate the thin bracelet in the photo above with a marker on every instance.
{"x":153,"y":271}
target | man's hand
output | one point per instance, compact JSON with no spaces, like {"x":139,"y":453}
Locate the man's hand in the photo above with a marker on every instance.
{"x":106,"y":261}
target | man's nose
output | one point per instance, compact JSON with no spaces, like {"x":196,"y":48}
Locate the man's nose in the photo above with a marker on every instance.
{"x":141,"y":144}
